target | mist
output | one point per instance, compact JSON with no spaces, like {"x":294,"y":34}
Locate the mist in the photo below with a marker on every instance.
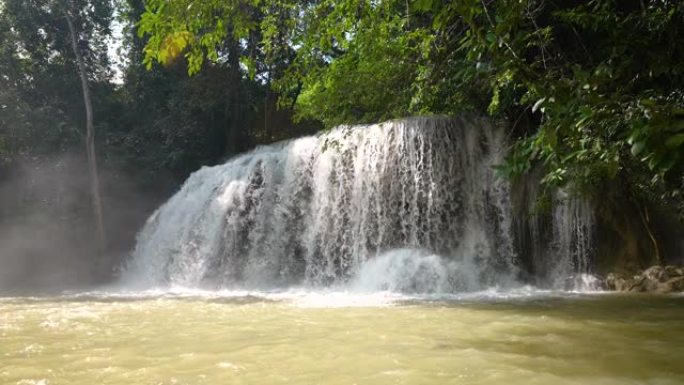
{"x":47,"y":237}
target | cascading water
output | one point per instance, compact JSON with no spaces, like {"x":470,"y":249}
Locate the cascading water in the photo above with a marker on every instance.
{"x":573,"y":225}
{"x":558,"y":244}
{"x":401,"y":200}
{"x":318,"y":210}
{"x":415,"y":271}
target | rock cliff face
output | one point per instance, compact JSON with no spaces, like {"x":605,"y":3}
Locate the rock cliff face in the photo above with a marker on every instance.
{"x":609,"y":231}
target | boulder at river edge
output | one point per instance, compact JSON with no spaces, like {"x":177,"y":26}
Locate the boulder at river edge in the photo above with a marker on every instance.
{"x":655,"y":279}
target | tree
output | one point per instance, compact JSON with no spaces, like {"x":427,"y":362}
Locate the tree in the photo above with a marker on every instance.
{"x":90,"y":139}
{"x":49,"y":47}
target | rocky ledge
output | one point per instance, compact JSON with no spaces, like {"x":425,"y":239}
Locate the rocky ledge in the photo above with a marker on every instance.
{"x":655,"y":279}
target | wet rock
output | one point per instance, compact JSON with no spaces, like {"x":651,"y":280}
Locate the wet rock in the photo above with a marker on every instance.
{"x":623,"y":284}
{"x":655,"y":274}
{"x":643,"y":284}
{"x":611,"y":281}
{"x":617,"y":282}
{"x":673,"y":285}
{"x":655,"y":279}
{"x":636,"y":284}
{"x":674,"y":271}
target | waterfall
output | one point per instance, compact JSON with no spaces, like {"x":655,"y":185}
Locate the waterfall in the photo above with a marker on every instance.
{"x":556,"y":239}
{"x":401,"y":200}
{"x":312,"y":211}
{"x":572,"y":245}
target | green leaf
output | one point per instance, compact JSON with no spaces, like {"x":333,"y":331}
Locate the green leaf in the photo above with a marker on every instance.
{"x":674,"y":141}
{"x":422,"y":5}
{"x":648,"y":102}
{"x":637,"y":148}
{"x":675,"y":126}
{"x":538,"y":104}
{"x":250,"y":64}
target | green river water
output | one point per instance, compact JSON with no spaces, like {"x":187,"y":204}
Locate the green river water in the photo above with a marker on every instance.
{"x":341,"y":339}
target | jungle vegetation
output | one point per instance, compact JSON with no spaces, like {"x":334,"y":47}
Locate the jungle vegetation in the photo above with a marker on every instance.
{"x":591,"y":91}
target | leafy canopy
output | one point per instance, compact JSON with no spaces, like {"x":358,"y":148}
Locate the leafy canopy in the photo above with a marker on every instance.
{"x":591,"y":89}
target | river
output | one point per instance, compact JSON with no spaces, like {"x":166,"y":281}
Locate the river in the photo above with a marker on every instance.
{"x":519,"y":337}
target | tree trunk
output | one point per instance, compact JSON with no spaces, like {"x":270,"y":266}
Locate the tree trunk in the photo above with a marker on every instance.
{"x":232,"y":137}
{"x":646,"y":220}
{"x":90,"y":144}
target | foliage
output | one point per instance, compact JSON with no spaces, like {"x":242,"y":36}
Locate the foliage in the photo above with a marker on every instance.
{"x":591,"y":89}
{"x":153,"y":127}
{"x":40,"y":112}
{"x":603,"y":77}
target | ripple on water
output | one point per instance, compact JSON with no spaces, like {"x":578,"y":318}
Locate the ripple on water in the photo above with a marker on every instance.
{"x":341,"y":338}
{"x":42,"y":381}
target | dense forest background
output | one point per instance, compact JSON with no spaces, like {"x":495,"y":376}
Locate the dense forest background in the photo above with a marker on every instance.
{"x":590,"y":91}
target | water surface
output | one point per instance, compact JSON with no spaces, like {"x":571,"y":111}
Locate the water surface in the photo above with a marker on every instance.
{"x":341,"y":339}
